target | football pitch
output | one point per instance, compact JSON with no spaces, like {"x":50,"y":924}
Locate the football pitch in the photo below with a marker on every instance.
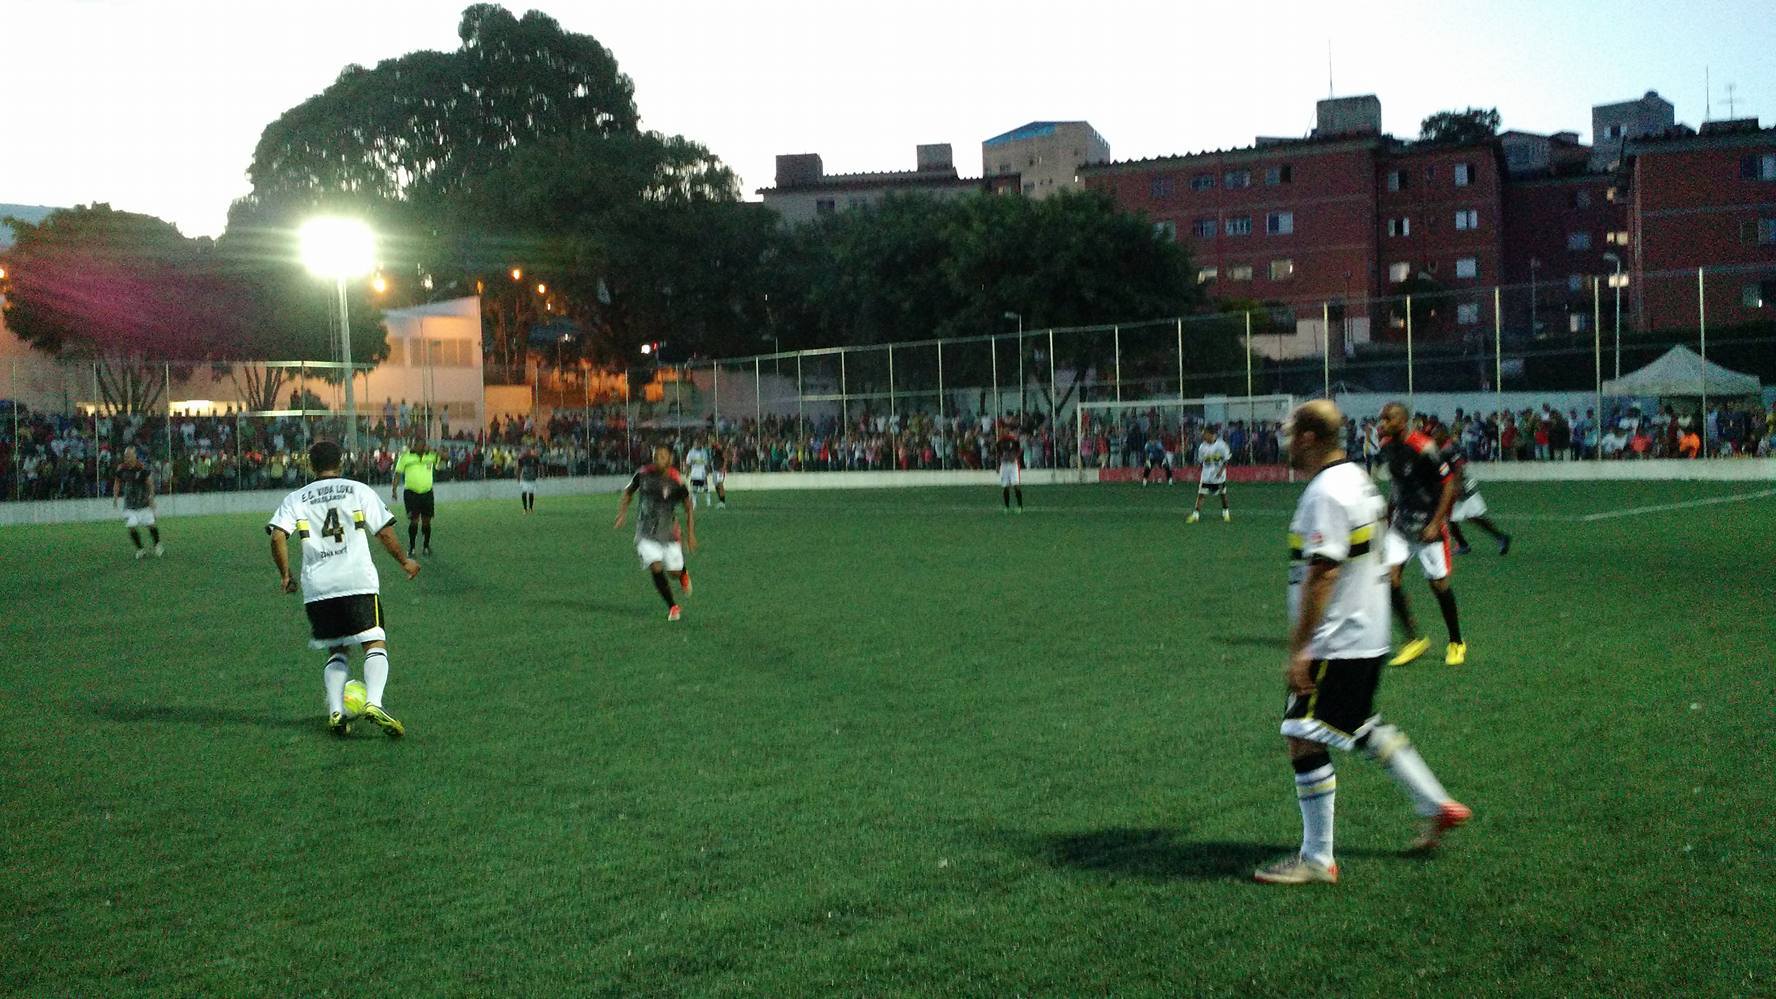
{"x":901,"y":744}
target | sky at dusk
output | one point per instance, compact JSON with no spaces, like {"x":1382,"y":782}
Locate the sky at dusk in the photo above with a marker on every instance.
{"x":155,"y":105}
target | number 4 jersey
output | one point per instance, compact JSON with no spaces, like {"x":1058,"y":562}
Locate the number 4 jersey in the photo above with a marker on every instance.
{"x":334,"y":519}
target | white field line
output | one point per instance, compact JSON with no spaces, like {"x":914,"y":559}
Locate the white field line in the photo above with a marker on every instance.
{"x":1684,"y":505}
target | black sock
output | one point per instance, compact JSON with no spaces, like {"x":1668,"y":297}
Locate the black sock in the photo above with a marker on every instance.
{"x":665,"y":589}
{"x":1488,"y":526}
{"x":1446,"y":600}
{"x":136,"y":536}
{"x":1455,"y":532}
{"x":1403,"y":610}
{"x":412,"y":534}
{"x":1020,"y":495}
{"x":154,"y":534}
{"x":426,"y":531}
{"x":1007,"y":494}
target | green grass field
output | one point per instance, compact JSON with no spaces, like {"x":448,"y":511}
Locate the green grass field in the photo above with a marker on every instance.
{"x":901,"y":744}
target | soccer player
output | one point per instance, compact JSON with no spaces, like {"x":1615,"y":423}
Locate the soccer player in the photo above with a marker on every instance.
{"x":697,"y":461}
{"x":413,"y":476}
{"x":1470,"y":506}
{"x":1212,"y":454}
{"x":1424,"y":491}
{"x":1156,"y":458}
{"x":656,"y":529}
{"x":529,"y":466}
{"x":718,"y":474}
{"x":1011,"y":460}
{"x":334,"y":518}
{"x":1338,"y":639}
{"x":135,"y":484}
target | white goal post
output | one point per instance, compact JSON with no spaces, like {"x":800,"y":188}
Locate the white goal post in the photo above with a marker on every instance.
{"x":1176,"y":420}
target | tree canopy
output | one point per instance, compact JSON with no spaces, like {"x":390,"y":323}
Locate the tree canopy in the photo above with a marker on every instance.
{"x":1456,"y":127}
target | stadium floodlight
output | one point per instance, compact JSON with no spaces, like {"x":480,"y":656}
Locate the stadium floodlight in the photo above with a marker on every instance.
{"x":341,"y":249}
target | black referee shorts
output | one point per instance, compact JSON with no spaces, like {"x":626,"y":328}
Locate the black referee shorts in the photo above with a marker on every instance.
{"x":1342,"y":707}
{"x":418,"y":504}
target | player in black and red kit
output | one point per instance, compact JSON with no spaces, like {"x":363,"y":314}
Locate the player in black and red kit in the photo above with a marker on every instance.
{"x":1424,"y":491}
{"x":1011,"y":462}
{"x":718,"y":469}
{"x":662,"y":492}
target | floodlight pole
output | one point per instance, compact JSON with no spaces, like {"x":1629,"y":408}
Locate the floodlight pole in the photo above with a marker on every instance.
{"x":345,"y":357}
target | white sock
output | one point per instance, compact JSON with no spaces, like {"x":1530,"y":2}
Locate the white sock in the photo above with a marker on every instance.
{"x":1389,"y":747}
{"x":333,"y":677}
{"x":376,"y":675}
{"x":1317,"y":791}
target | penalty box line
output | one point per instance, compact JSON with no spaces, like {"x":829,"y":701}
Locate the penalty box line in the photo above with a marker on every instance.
{"x":1635,"y":511}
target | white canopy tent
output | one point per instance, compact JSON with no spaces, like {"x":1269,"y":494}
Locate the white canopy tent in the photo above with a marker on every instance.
{"x":1683,"y":372}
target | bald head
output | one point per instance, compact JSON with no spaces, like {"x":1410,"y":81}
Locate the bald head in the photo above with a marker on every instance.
{"x":1313,"y":433}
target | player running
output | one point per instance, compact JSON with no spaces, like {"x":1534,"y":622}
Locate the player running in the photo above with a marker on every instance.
{"x":1338,"y":639}
{"x":697,"y":461}
{"x":1212,"y":454}
{"x":1011,"y":462}
{"x":718,"y":474}
{"x":1157,"y":457}
{"x":413,"y":476}
{"x":134,"y":482}
{"x":530,"y":466}
{"x":334,"y":517}
{"x":1424,"y":491}
{"x":1470,"y":507}
{"x":656,"y":529}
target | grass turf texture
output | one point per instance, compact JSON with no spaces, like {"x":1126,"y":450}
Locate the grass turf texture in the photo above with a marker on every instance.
{"x":900,"y":744}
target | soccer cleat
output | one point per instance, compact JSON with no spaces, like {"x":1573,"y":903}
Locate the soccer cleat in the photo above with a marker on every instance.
{"x":1227,"y":516}
{"x":1463,"y":550}
{"x":1505,"y":545}
{"x":1456,"y":654}
{"x":428,"y":551}
{"x":672,"y":615}
{"x":684,"y":580}
{"x":1410,"y":651}
{"x":1020,"y":511}
{"x":387,"y":721}
{"x":141,"y":553}
{"x":723,"y":505}
{"x":1193,"y":518}
{"x":1450,"y":815}
{"x":339,"y":724}
{"x":1296,"y":870}
{"x":158,"y":550}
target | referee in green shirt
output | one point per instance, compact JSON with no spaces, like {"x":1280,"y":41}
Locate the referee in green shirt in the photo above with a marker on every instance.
{"x":413,"y":470}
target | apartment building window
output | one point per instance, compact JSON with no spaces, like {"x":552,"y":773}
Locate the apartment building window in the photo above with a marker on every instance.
{"x":1203,"y":228}
{"x":1202,"y":182}
{"x":857,"y":202}
{"x":1467,"y":218}
{"x":1399,"y":272}
{"x":1239,"y":225}
{"x":1464,"y":174}
{"x":1396,"y":180}
{"x":1752,"y":296}
{"x":1578,"y":241}
{"x":1239,"y":272}
{"x":1581,"y":199}
{"x":1401,"y":226}
{"x":1166,"y":230}
{"x":1276,"y":175}
{"x":1759,"y":167}
{"x":1467,"y":313}
{"x":1575,"y":283}
{"x":1160,"y":187}
{"x":1282,"y":270}
{"x":1279,"y":223}
{"x":1237,"y":179}
{"x":1766,"y":231}
{"x":1467,"y":267}
{"x":1578,"y":322}
{"x":1206,"y":274}
{"x":1029,"y":186}
{"x":825,"y":206}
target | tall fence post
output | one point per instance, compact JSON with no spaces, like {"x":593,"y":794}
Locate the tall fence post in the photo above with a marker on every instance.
{"x":167,"y":375}
{"x":1054,"y":432}
{"x":1116,"y":345}
{"x":1326,"y":345}
{"x":940,"y":384}
{"x":1498,"y":360}
{"x":1411,"y":402}
{"x":801,"y":418}
{"x":758,"y":394}
{"x":1248,"y":353}
{"x":17,"y":465}
{"x":1702,"y":328}
{"x":1021,"y":371}
{"x":893,"y":409}
{"x":993,"y":345}
{"x":1180,"y":357}
{"x":715,"y":381}
{"x":844,"y":393}
{"x":1597,"y":356}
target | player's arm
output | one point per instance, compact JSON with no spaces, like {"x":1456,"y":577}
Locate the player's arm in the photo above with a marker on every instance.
{"x":399,"y":476}
{"x":690,"y":505}
{"x":1316,"y":592}
{"x":392,"y":545}
{"x":280,"y":557}
{"x":1445,"y":501}
{"x":623,"y":504}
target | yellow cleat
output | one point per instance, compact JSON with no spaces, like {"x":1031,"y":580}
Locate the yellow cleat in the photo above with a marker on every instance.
{"x":1457,"y":654}
{"x":1297,"y":870}
{"x":388,"y":722}
{"x":1410,"y":651}
{"x":1193,"y":518}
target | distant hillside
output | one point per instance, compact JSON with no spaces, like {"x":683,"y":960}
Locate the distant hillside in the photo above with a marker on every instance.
{"x":29,"y":213}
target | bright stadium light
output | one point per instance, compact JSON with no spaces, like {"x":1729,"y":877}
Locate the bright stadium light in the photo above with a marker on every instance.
{"x":647,"y":348}
{"x":341,"y":249}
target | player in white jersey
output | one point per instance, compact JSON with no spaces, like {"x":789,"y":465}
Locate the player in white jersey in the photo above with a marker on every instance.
{"x":1339,"y":638}
{"x":697,"y":463}
{"x":1212,"y":454}
{"x":334,"y":519}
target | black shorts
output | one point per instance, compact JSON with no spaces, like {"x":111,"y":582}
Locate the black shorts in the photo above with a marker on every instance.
{"x":1210,"y":487}
{"x":1342,"y":707}
{"x":418,"y":504}
{"x":345,"y":620}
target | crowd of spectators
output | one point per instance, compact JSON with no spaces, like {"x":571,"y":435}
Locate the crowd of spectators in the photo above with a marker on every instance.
{"x":1732,"y":430}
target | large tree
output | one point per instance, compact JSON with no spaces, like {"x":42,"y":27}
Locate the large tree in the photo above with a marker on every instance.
{"x":1464,"y":127}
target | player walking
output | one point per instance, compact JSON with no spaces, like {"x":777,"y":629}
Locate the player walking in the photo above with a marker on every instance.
{"x":529,"y":468}
{"x":1212,"y":454}
{"x":697,"y":461}
{"x":718,"y":474}
{"x":1156,"y":458}
{"x":134,"y":482}
{"x":1011,"y":462}
{"x":334,"y":518}
{"x":1424,"y":491}
{"x":656,"y":529}
{"x":413,"y":476}
{"x":1338,"y":639}
{"x":1470,"y":507}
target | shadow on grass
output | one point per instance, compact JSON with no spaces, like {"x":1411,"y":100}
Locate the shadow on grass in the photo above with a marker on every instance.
{"x":1164,"y":854}
{"x":624,"y":608}
{"x":1278,"y":642}
{"x":191,"y":714}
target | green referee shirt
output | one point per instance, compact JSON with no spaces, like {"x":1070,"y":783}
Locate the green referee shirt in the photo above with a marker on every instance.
{"x":416,"y":470}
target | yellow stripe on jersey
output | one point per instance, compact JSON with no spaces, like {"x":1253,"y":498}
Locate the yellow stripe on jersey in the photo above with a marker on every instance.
{"x":302,"y":529}
{"x":358,"y":521}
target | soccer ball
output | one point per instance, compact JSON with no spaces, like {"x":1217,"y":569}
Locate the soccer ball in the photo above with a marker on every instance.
{"x":355,"y":698}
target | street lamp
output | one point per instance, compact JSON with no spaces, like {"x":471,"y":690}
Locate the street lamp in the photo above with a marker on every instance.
{"x":341,"y":249}
{"x":1616,"y":283}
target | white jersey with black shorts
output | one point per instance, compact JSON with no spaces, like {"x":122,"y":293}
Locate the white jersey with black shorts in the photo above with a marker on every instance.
{"x":697,"y":464}
{"x":1213,"y":458}
{"x":334,"y":520}
{"x":1339,"y":521}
